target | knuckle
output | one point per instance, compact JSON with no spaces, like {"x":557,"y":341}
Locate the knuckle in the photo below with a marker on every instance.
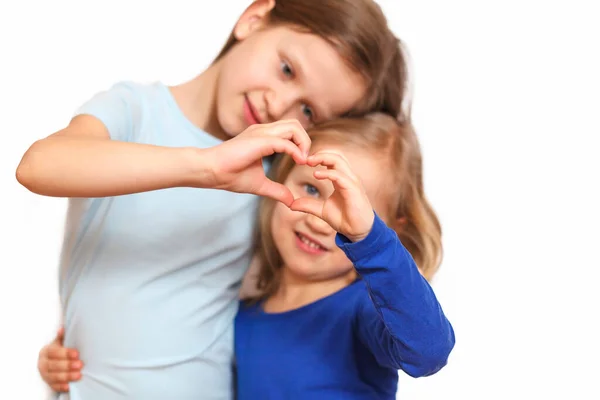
{"x":50,"y":378}
{"x":61,"y":377}
{"x":53,"y":367}
{"x":57,"y":366}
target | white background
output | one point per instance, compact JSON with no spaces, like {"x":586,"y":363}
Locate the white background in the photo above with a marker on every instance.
{"x":506,"y":105}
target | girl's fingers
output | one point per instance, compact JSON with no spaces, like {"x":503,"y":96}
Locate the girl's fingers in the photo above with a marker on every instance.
{"x":60,"y":335}
{"x":308,"y":205}
{"x":58,"y":365}
{"x":58,"y":352}
{"x":271,"y":145}
{"x":332,"y":160}
{"x":64,"y":365}
{"x":292,"y":130}
{"x":276,"y":191}
{"x":63,"y":387}
{"x":61,"y":378}
{"x":339,"y":179}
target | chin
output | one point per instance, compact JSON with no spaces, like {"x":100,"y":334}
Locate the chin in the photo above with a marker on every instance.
{"x":229,"y":131}
{"x":230,"y":126}
{"x":301,"y":271}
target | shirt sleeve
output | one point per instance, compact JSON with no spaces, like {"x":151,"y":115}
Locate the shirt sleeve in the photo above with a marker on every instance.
{"x":401,"y":322}
{"x":118,"y":108}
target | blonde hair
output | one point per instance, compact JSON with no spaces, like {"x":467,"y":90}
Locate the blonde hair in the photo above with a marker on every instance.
{"x":358,"y":30}
{"x":409,"y":213}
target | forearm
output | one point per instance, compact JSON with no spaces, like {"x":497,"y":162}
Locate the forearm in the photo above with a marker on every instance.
{"x":404,"y":326}
{"x":410,"y":326}
{"x":67,"y":166}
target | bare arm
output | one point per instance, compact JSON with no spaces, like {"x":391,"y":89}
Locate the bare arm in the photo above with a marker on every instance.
{"x":82,"y":161}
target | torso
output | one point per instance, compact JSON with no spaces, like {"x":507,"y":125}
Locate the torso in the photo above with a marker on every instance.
{"x":149,"y":282}
{"x":308,"y":353}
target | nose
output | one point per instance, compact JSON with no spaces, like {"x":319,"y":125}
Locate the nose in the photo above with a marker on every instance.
{"x":281,"y":103}
{"x":317,"y":225}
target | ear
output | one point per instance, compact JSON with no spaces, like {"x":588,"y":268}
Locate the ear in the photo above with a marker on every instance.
{"x":254,"y":18}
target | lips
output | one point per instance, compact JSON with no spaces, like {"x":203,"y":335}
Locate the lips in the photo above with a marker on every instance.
{"x":250,"y":113}
{"x":309,"y":244}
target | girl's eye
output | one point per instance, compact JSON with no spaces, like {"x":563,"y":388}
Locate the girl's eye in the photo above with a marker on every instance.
{"x":311,"y":190}
{"x":307,"y":111}
{"x":286,"y":69}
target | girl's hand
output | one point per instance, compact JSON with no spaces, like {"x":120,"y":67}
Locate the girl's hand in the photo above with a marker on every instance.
{"x":348,"y":210}
{"x":59,"y":365}
{"x":238,"y":161}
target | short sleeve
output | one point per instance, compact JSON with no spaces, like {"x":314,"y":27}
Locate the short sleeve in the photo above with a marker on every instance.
{"x":118,"y":108}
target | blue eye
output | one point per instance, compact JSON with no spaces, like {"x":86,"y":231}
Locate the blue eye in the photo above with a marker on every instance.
{"x":286,"y":69}
{"x":311,"y":190}
{"x":307,"y":111}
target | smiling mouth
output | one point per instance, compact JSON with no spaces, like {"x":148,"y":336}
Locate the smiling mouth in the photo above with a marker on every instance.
{"x":250,"y":112}
{"x":310,"y":244}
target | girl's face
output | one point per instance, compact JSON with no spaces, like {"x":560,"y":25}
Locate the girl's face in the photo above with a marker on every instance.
{"x":276,"y":73}
{"x":307,"y":243}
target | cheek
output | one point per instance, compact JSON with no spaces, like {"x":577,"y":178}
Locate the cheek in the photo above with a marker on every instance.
{"x":253,"y":70}
{"x":281,"y":217}
{"x":335,"y":266}
{"x":275,"y":220}
{"x":340,"y":264}
{"x":234,"y":70}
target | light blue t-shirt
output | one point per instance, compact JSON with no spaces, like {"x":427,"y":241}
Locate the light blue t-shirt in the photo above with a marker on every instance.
{"x":149,"y":282}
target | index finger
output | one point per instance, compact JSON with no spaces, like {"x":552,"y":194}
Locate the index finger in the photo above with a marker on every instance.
{"x":61,"y":353}
{"x":293,"y":130}
{"x":332,"y":160}
{"x":272,"y":145}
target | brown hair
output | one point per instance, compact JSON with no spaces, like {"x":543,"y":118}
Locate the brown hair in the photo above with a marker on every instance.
{"x":358,"y":30}
{"x":409,"y":213}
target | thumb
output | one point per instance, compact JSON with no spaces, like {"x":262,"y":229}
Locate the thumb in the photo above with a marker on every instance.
{"x":60,"y":335}
{"x":276,"y":191}
{"x":308,"y":205}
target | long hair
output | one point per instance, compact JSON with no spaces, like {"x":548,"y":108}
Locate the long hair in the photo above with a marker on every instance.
{"x":359,"y":31}
{"x":408,"y":213}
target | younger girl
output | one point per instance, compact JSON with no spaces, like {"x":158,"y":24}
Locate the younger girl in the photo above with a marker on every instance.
{"x":344,"y":304}
{"x":153,"y":256}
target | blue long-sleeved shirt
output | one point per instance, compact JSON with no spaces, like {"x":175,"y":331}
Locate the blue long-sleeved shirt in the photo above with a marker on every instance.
{"x":351,"y":344}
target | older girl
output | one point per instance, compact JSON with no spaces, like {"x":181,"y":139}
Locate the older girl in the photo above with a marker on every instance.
{"x":153,"y":256}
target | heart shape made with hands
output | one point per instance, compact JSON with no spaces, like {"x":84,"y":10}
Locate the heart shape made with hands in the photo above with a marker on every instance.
{"x":336,"y":169}
{"x":239,"y":168}
{"x":348,"y":209}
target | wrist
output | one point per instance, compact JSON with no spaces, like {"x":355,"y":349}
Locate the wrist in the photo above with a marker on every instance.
{"x":369,"y":221}
{"x":199,"y":167}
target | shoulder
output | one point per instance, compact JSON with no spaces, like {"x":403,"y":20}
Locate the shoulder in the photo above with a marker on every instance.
{"x":122,"y":106}
{"x":134,"y":86}
{"x":131,"y":92}
{"x":248,"y":308}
